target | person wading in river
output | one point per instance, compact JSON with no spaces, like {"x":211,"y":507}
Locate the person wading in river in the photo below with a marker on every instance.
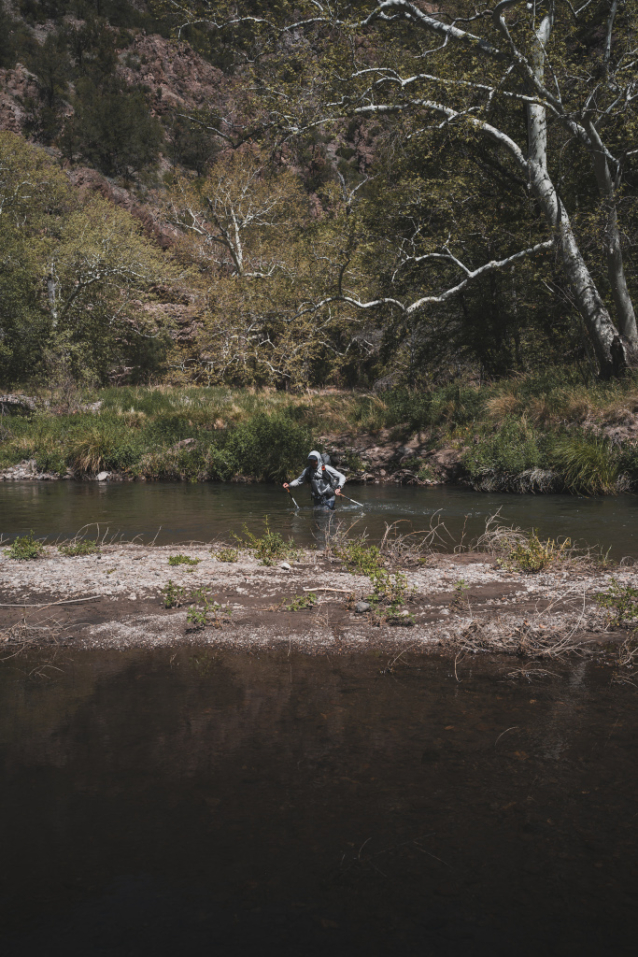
{"x":325,"y":481}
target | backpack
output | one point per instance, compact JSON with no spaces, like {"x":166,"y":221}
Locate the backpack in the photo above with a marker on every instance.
{"x":327,"y":476}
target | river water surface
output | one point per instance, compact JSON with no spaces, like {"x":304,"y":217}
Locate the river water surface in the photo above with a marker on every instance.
{"x":194,"y":803}
{"x":179,"y":512}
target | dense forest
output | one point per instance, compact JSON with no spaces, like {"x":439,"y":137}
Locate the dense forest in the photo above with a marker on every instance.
{"x":302,"y":194}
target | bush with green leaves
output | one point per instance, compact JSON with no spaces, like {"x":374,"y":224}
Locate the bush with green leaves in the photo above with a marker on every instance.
{"x":534,"y":555}
{"x":267,"y":446}
{"x":299,"y":602}
{"x":175,"y":560}
{"x":85,"y":546}
{"x":621,"y":602}
{"x":25,"y":548}
{"x":515,"y":447}
{"x":362,"y":559}
{"x":173,"y":595}
{"x":227,"y":554}
{"x":270,"y":546}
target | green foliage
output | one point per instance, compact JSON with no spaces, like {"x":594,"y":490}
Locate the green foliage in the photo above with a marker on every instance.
{"x":389,"y":595}
{"x":205,"y":611}
{"x":227,"y":554}
{"x":621,"y":602}
{"x":112,"y":128}
{"x":173,"y":595}
{"x":533,"y":555}
{"x":513,"y":448}
{"x":299,"y":602}
{"x":362,"y":558}
{"x":183,"y":560}
{"x":270,"y":546}
{"x":25,"y":548}
{"x":451,"y":405}
{"x":202,"y":609}
{"x":590,"y":464}
{"x":102,"y":446}
{"x":267,"y":446}
{"x":83,"y":547}
{"x":75,"y":274}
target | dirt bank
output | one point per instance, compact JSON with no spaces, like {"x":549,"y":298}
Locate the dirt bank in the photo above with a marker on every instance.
{"x":457,"y":603}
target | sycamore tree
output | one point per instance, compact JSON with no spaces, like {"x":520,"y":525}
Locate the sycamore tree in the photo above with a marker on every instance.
{"x":255,"y":252}
{"x":77,"y":277}
{"x":101,"y":280}
{"x":549,"y":87}
{"x":34,"y":197}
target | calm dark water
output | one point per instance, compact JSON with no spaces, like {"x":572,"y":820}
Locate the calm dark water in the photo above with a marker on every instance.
{"x":182,"y":512}
{"x":197,"y":804}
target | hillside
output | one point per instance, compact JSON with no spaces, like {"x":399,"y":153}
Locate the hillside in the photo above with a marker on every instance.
{"x":251,"y":200}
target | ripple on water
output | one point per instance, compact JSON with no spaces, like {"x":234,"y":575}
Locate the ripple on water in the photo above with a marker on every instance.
{"x":176,"y":512}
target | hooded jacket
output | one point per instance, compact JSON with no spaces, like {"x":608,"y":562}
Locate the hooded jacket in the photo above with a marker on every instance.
{"x":323,"y":480}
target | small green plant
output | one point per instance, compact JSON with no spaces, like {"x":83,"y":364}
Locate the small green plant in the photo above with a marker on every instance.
{"x":173,"y":595}
{"x":362,"y":558}
{"x":621,"y":602}
{"x":84,"y":547}
{"x":268,"y":547}
{"x":25,"y":548}
{"x":533,"y":555}
{"x":389,"y":594}
{"x":197,"y":617}
{"x":227,"y":555}
{"x":299,"y":602}
{"x":426,"y":474}
{"x":204,"y":611}
{"x":183,"y":560}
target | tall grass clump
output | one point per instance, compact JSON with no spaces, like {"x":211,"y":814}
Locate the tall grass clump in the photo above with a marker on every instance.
{"x":590,"y":465}
{"x":102,"y":446}
{"x":267,"y":447}
{"x":514,"y":448}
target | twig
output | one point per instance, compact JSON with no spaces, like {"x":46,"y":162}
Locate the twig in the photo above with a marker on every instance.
{"x":50,"y":604}
{"x":513,"y":728}
{"x":345,"y":591}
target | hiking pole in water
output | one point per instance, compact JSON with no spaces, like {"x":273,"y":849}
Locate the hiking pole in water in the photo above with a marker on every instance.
{"x":353,"y":500}
{"x":293,"y":498}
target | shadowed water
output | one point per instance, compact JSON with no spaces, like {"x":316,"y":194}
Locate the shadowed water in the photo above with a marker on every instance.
{"x":178,"y":512}
{"x":195,"y":803}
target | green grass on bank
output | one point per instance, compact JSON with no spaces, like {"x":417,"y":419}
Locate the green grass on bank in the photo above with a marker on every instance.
{"x":535,"y":433}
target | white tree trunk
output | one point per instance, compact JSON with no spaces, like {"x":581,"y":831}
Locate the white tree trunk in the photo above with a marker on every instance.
{"x":607,"y":343}
{"x":612,"y":245}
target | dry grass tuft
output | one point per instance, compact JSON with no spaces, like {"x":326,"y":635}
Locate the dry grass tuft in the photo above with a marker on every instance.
{"x":577,"y":408}
{"x":501,"y":406}
{"x":414,"y":548}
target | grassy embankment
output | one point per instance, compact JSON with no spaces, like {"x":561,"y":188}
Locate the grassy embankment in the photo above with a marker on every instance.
{"x":531,"y":433}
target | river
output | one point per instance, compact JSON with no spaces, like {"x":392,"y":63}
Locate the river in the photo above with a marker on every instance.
{"x":180,"y":512}
{"x":198,"y":803}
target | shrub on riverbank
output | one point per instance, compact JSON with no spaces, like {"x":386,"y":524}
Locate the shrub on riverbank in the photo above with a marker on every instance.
{"x":548,"y":432}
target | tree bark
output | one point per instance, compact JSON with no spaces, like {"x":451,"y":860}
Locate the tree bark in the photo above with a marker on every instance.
{"x":612,"y":245}
{"x":608,"y":345}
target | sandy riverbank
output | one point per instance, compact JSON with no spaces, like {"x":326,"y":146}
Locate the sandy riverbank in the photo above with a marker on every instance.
{"x":457,"y":603}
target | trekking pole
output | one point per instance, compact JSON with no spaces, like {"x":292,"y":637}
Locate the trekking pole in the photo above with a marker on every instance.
{"x":353,"y":500}
{"x":292,"y":497}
